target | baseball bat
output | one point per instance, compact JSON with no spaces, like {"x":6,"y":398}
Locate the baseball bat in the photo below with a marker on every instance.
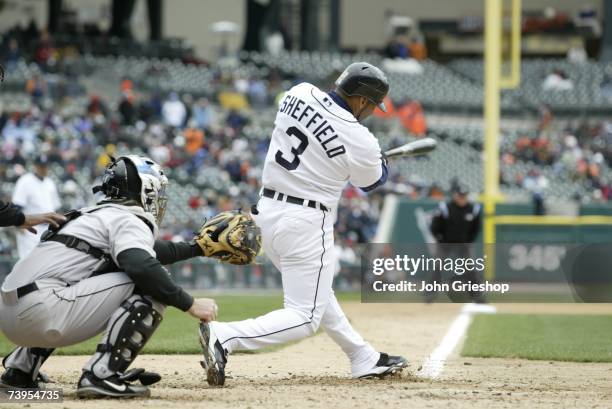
{"x":415,"y":148}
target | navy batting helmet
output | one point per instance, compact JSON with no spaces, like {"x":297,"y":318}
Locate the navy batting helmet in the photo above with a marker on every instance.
{"x":365,"y":80}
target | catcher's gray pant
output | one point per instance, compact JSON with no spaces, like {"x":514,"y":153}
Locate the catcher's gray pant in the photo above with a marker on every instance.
{"x":57,"y":316}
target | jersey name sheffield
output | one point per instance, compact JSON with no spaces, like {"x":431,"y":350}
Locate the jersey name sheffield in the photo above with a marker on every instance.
{"x":313,"y":121}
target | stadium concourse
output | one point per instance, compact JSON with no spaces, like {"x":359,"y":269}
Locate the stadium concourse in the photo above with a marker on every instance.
{"x":209,"y":125}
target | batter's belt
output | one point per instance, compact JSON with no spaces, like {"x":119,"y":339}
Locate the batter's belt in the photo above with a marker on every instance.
{"x":281,"y":197}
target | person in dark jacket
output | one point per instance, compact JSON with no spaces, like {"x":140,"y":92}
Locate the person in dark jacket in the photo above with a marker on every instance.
{"x":455,"y":226}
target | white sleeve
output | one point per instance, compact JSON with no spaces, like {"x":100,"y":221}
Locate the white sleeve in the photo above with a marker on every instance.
{"x":55,"y":197}
{"x":365,"y":161}
{"x":20,"y":194}
{"x":130,"y":233}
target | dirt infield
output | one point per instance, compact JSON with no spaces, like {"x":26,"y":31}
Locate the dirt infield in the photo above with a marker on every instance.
{"x":314,"y":373}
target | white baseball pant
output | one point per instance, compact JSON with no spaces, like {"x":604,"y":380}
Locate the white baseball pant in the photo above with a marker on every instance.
{"x":299,"y":241}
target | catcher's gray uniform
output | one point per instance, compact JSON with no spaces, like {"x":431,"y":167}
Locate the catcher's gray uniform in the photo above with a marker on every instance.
{"x":70,"y":304}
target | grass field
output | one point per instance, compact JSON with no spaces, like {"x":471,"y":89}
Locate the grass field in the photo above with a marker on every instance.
{"x":578,"y":338}
{"x":177,"y":333}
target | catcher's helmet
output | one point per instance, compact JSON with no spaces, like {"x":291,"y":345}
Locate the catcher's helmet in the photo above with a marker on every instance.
{"x":365,"y":80}
{"x":134,"y":178}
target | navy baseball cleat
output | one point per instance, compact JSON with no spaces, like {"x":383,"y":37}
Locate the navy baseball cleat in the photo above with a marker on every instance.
{"x":386,"y":365}
{"x":17,"y":379}
{"x":90,"y":386}
{"x":215,"y":356}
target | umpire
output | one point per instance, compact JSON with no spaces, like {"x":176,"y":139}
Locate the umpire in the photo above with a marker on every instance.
{"x":455,"y":226}
{"x":11,"y":215}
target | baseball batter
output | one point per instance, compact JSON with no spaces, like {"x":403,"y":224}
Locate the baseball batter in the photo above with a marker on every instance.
{"x":317,"y":146}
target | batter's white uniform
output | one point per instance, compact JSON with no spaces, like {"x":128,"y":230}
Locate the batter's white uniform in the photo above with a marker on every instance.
{"x":34,"y":195}
{"x":317,"y":147}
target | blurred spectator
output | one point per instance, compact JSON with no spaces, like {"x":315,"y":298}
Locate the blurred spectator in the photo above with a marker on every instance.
{"x":45,"y":53}
{"x":105,"y":157}
{"x":546,"y":117}
{"x":417,"y":47}
{"x":37,"y":88}
{"x":126,"y":85}
{"x":436,"y":193}
{"x":174,"y":111}
{"x":35,"y":193}
{"x":412,"y":118}
{"x":398,"y":47}
{"x":195,"y":202}
{"x":127,"y":109}
{"x":202,"y":114}
{"x":345,"y":253}
{"x":577,"y":55}
{"x":258,"y":93}
{"x":536,"y":184}
{"x":97,"y":106}
{"x":557,"y":81}
{"x":275,"y":43}
{"x":194,"y":139}
{"x":235,"y":119}
{"x":11,"y":58}
{"x":241,"y":84}
{"x":188,"y":104}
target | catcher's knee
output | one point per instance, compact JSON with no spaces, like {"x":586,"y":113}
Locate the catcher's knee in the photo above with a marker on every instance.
{"x":130,"y":331}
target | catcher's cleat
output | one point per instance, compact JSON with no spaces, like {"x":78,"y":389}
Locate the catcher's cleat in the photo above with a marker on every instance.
{"x":17,"y":379}
{"x":90,"y":386}
{"x":215,"y":357}
{"x":386,"y":365}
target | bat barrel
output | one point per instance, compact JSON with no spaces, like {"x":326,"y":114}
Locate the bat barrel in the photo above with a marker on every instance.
{"x":415,"y":148}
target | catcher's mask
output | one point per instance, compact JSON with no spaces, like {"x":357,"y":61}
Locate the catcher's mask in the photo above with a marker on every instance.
{"x":138,"y":179}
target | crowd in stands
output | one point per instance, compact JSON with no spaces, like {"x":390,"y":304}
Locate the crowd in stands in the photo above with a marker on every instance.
{"x":578,"y":153}
{"x":213,"y":144}
{"x":191,"y":137}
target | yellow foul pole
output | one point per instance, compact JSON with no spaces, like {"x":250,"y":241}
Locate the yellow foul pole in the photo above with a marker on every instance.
{"x":514,"y":79}
{"x":492,"y":68}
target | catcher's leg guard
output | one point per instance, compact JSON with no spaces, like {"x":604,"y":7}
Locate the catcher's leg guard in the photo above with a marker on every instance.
{"x":129,"y":328}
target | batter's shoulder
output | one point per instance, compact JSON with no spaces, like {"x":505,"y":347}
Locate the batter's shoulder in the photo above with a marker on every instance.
{"x":362,"y":135}
{"x":361,"y":142}
{"x":302,"y":87}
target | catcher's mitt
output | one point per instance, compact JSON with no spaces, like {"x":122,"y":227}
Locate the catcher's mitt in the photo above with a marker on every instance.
{"x":230,"y":236}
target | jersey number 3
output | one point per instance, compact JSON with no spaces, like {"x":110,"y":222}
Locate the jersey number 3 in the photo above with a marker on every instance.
{"x":280,"y":159}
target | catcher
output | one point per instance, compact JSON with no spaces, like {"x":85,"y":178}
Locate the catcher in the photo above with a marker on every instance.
{"x":102,"y":271}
